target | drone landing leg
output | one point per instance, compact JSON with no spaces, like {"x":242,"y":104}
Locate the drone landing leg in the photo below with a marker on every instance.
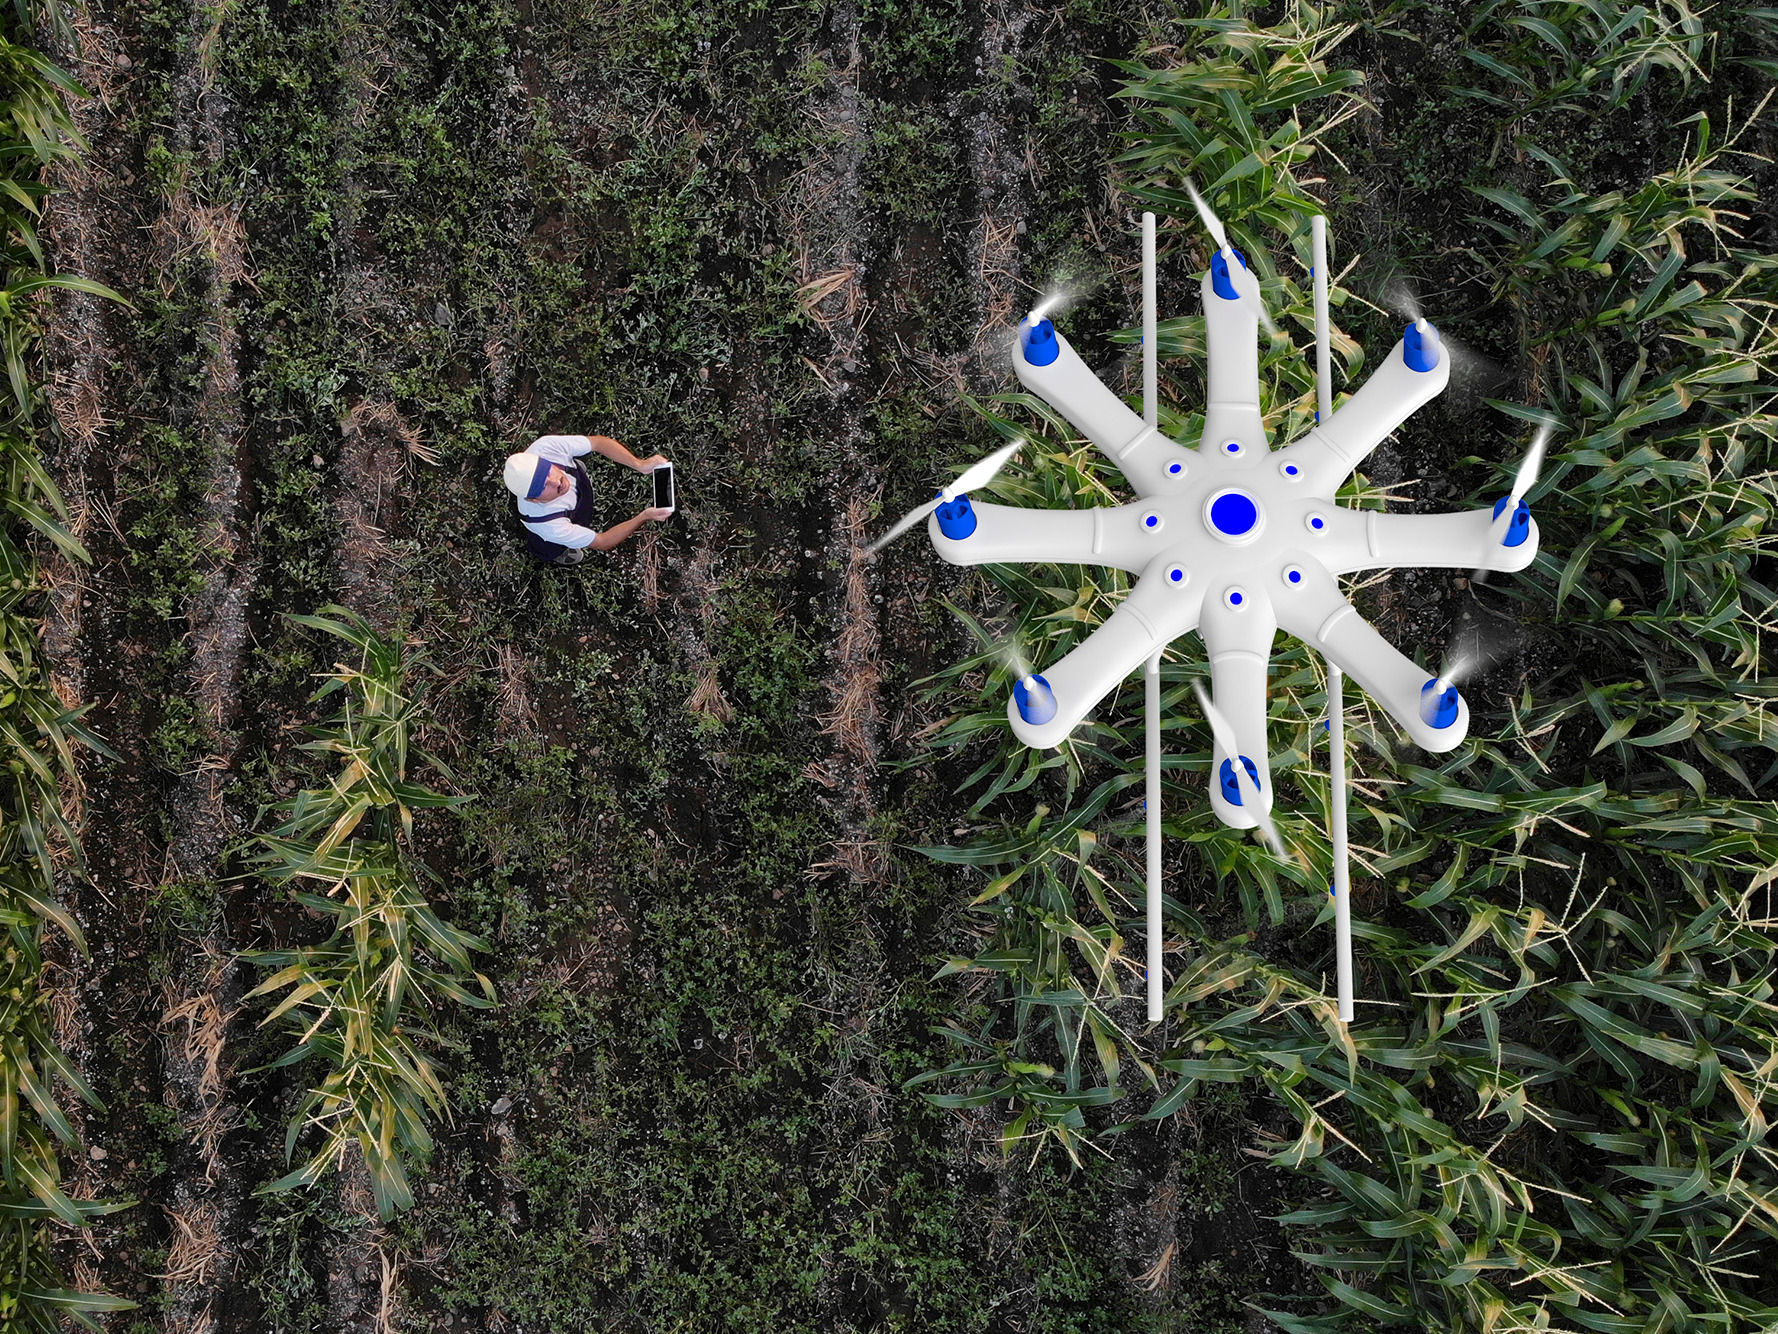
{"x":1336,"y":679}
{"x":1152,"y":680}
{"x":1152,"y":815}
{"x":1342,"y":871}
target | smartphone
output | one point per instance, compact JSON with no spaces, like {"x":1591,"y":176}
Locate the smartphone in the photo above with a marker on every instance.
{"x":663,"y":487}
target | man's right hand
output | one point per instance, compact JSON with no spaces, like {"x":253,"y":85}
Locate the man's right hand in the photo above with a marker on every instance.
{"x":657,"y":514}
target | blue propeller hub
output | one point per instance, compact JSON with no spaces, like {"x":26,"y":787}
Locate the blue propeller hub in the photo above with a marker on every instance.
{"x":1438,"y":706}
{"x":1036,"y":703}
{"x":1038,"y":341}
{"x":1518,"y":528}
{"x":1419,"y":350}
{"x":1220,"y":279}
{"x":1231,"y":786}
{"x":956,"y":518}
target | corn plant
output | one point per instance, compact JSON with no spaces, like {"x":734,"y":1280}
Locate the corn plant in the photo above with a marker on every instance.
{"x":40,"y":737}
{"x":360,"y":1002}
{"x":1581,"y":57}
{"x":1553,"y":1112}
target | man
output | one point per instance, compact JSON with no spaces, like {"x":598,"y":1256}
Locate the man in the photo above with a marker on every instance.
{"x":555,"y":496}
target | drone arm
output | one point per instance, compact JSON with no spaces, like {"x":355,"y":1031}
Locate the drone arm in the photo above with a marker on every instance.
{"x":1009,"y":534}
{"x":1138,"y":449}
{"x":1459,"y":541}
{"x":1231,"y":349}
{"x":1154,"y":614}
{"x":1315,"y":612}
{"x":1330,"y":452}
{"x":1238,"y":641}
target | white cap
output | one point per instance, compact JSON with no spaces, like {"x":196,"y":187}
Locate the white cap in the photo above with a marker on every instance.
{"x":519,"y":473}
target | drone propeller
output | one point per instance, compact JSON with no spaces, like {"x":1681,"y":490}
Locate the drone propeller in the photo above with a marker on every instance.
{"x":1219,"y":234}
{"x":1225,"y":738}
{"x":1212,"y":223}
{"x":973,"y":478}
{"x":1523,"y":482}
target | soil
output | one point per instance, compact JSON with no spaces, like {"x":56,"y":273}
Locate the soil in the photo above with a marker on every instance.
{"x":370,"y":249}
{"x":302,"y":406}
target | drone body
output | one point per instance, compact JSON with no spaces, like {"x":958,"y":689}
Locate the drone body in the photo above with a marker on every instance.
{"x":1235,"y":540}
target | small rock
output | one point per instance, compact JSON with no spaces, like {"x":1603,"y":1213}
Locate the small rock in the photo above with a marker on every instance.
{"x":502,"y":1106}
{"x":315,"y":461}
{"x":1020,"y":229}
{"x":97,"y":1154}
{"x":123,"y":61}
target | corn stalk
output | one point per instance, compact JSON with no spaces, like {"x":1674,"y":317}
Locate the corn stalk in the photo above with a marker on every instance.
{"x":360,"y":1003}
{"x":40,"y":737}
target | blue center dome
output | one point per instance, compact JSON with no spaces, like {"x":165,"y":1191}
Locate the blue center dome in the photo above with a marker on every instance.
{"x":1234,"y":514}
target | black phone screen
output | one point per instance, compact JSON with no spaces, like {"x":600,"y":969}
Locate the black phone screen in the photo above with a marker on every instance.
{"x":663,"y":487}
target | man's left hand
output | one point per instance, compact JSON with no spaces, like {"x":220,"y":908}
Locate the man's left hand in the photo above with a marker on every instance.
{"x":651,"y":463}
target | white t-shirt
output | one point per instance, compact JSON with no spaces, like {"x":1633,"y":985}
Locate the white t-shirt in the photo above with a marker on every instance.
{"x":561,"y":449}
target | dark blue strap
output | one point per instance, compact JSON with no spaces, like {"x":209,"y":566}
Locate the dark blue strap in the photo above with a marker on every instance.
{"x":545,"y":518}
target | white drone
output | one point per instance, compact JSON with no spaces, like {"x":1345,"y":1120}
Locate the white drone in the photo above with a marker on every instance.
{"x":1235,"y":540}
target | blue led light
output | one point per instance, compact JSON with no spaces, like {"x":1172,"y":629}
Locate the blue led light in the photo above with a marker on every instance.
{"x":1174,"y":469}
{"x":1236,"y":599}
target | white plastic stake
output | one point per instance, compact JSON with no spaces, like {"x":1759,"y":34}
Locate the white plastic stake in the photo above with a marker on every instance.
{"x":1323,"y":338}
{"x":1151,"y":414}
{"x":1336,"y":679}
{"x":1156,"y":981}
{"x":1150,"y":363}
{"x":1342,"y":883}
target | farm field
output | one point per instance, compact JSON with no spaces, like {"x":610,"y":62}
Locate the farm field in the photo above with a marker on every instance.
{"x":792,"y":994}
